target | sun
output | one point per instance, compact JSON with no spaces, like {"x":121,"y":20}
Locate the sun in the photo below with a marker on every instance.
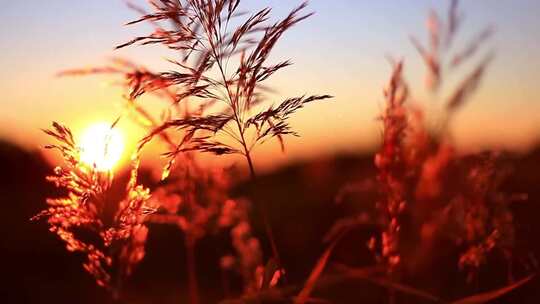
{"x":101,"y":146}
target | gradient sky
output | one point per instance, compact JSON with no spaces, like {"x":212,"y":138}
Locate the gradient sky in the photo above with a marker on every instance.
{"x":339,"y":51}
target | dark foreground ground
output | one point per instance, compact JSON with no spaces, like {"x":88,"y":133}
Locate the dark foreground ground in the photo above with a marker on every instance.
{"x":35,"y":268}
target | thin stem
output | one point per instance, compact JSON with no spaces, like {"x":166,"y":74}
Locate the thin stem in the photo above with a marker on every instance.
{"x":249,"y":161}
{"x":264,"y":209}
{"x":241,"y":130}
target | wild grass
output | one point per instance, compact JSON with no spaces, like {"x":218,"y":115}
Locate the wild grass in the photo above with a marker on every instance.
{"x":215,"y":95}
{"x":113,"y":242}
{"x":420,"y":206}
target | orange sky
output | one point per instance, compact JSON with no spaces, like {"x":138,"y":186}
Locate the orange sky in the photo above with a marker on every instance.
{"x":339,"y":51}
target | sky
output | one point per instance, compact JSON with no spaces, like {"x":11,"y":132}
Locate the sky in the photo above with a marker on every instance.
{"x":341,"y":51}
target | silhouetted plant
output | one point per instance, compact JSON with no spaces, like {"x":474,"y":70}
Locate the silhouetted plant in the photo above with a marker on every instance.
{"x":213,"y":91}
{"x":418,"y":205}
{"x":202,"y":28}
{"x":113,"y":246}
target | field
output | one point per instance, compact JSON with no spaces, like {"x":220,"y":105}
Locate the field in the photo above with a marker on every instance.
{"x":184,"y":214}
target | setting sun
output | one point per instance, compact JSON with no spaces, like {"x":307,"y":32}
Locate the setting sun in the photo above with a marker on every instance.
{"x":101,"y":146}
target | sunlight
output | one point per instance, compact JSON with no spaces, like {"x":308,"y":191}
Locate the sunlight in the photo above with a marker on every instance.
{"x":101,"y":146}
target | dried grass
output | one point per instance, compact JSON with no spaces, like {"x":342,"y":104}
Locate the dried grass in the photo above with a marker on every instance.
{"x":416,"y":206}
{"x":112,"y":246}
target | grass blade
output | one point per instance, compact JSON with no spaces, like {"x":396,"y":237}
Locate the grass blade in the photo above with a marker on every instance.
{"x":494,"y":294}
{"x":304,"y":294}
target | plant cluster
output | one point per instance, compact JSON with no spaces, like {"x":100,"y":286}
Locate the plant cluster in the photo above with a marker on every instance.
{"x":217,"y":102}
{"x":420,"y":204}
{"x":113,"y":242}
{"x":212,"y":95}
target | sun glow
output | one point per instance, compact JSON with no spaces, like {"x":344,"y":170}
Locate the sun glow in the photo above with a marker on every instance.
{"x":101,"y":146}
